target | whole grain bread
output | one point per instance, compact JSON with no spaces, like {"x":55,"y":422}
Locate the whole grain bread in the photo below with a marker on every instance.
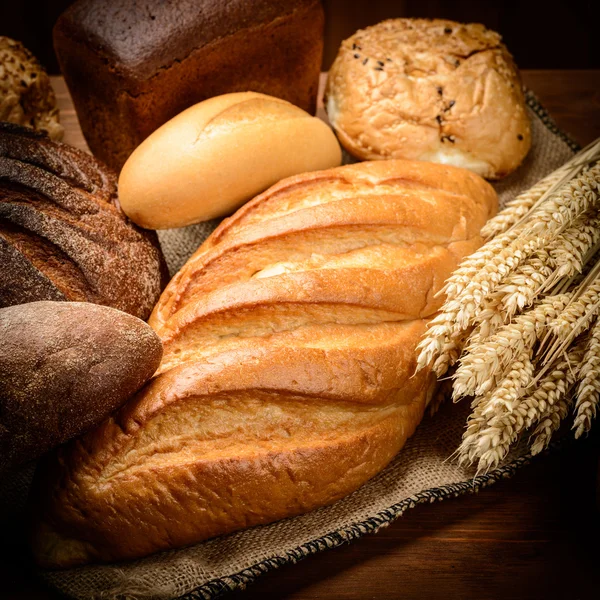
{"x":287,"y":378}
{"x":132,"y":66}
{"x":64,"y":367}
{"x":63,"y":235}
{"x":26,"y":94}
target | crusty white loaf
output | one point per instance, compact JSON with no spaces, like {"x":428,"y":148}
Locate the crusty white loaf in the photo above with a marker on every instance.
{"x":211,"y":158}
{"x":429,"y":90}
{"x":289,"y":349}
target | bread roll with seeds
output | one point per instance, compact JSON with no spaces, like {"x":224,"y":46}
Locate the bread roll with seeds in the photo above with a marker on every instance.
{"x":26,"y":94}
{"x":287,"y":378}
{"x":435,"y":90}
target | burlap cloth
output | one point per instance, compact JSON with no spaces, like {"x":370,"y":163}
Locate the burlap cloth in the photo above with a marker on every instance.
{"x":420,"y":473}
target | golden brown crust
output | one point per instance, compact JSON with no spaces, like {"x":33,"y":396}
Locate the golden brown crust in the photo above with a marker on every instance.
{"x":429,"y":90}
{"x":211,"y":158}
{"x":287,"y":379}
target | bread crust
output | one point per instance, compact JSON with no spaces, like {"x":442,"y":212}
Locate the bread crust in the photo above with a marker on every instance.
{"x":211,"y":158}
{"x":288,"y":376}
{"x":147,"y":70}
{"x":63,"y":235}
{"x":429,"y":90}
{"x":64,"y":367}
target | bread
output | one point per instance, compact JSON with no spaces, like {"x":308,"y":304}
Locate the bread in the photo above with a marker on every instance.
{"x":132,"y":66}
{"x":62,"y":233}
{"x":64,"y":367}
{"x":210,"y":159}
{"x":287,"y":379}
{"x":429,"y":90}
{"x":26,"y":94}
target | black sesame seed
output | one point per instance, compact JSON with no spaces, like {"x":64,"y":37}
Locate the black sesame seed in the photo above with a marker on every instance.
{"x":33,"y":75}
{"x":447,"y":30}
{"x":353,"y":46}
{"x":380,"y":63}
{"x":520,"y":137}
{"x":378,"y":68}
{"x":440,"y":91}
{"x":365,"y":61}
{"x":456,"y":63}
{"x":439,"y":119}
{"x":389,"y":59}
{"x":450,"y":105}
{"x":357,"y":56}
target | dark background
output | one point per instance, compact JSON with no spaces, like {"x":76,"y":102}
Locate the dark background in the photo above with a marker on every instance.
{"x":541,"y":35}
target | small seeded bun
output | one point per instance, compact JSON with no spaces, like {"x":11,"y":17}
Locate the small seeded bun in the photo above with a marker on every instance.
{"x":429,"y":90}
{"x":26,"y":94}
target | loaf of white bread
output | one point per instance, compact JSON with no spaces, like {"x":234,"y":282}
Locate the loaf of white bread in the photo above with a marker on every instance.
{"x":287,"y":378}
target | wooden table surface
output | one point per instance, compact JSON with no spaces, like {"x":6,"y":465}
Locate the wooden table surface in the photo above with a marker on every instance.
{"x":533,"y":536}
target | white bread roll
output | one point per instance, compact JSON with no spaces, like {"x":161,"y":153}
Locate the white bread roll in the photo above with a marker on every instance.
{"x":211,"y":158}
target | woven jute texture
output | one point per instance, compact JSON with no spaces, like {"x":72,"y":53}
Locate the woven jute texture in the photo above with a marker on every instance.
{"x":420,"y":473}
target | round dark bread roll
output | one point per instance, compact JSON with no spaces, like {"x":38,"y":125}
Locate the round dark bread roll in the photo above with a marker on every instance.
{"x":64,"y":367}
{"x":63,"y":235}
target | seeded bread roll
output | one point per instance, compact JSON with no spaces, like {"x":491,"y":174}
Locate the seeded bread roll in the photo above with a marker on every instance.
{"x":26,"y":94}
{"x":287,"y":379}
{"x":63,"y":235}
{"x":64,"y":367}
{"x":436,"y":90}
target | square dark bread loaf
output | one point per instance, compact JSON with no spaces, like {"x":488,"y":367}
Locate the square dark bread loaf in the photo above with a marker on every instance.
{"x":132,"y":66}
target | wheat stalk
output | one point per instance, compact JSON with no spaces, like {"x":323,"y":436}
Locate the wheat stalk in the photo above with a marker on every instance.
{"x":485,"y":271}
{"x":588,"y":389}
{"x":485,"y":363}
{"x":516,"y":316}
{"x":517,"y":208}
{"x":486,"y":439}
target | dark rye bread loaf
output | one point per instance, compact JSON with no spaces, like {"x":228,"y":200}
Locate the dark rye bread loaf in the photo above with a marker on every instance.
{"x":63,"y":235}
{"x":64,"y":367}
{"x":132,"y":66}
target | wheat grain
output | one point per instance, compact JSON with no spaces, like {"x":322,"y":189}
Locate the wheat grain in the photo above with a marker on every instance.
{"x":485,"y":363}
{"x":517,"y":208}
{"x":588,"y":389}
{"x":520,"y":288}
{"x":576,"y":310}
{"x":553,"y":396}
{"x":484,"y":439}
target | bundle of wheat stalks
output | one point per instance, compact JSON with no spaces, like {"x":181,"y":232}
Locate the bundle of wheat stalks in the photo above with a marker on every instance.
{"x":519,"y":330}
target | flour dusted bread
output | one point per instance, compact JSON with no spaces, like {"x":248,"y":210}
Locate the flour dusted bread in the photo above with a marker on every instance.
{"x":63,"y":235}
{"x":210,"y":159}
{"x":286,"y":382}
{"x":431,"y":90}
{"x":64,"y":367}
